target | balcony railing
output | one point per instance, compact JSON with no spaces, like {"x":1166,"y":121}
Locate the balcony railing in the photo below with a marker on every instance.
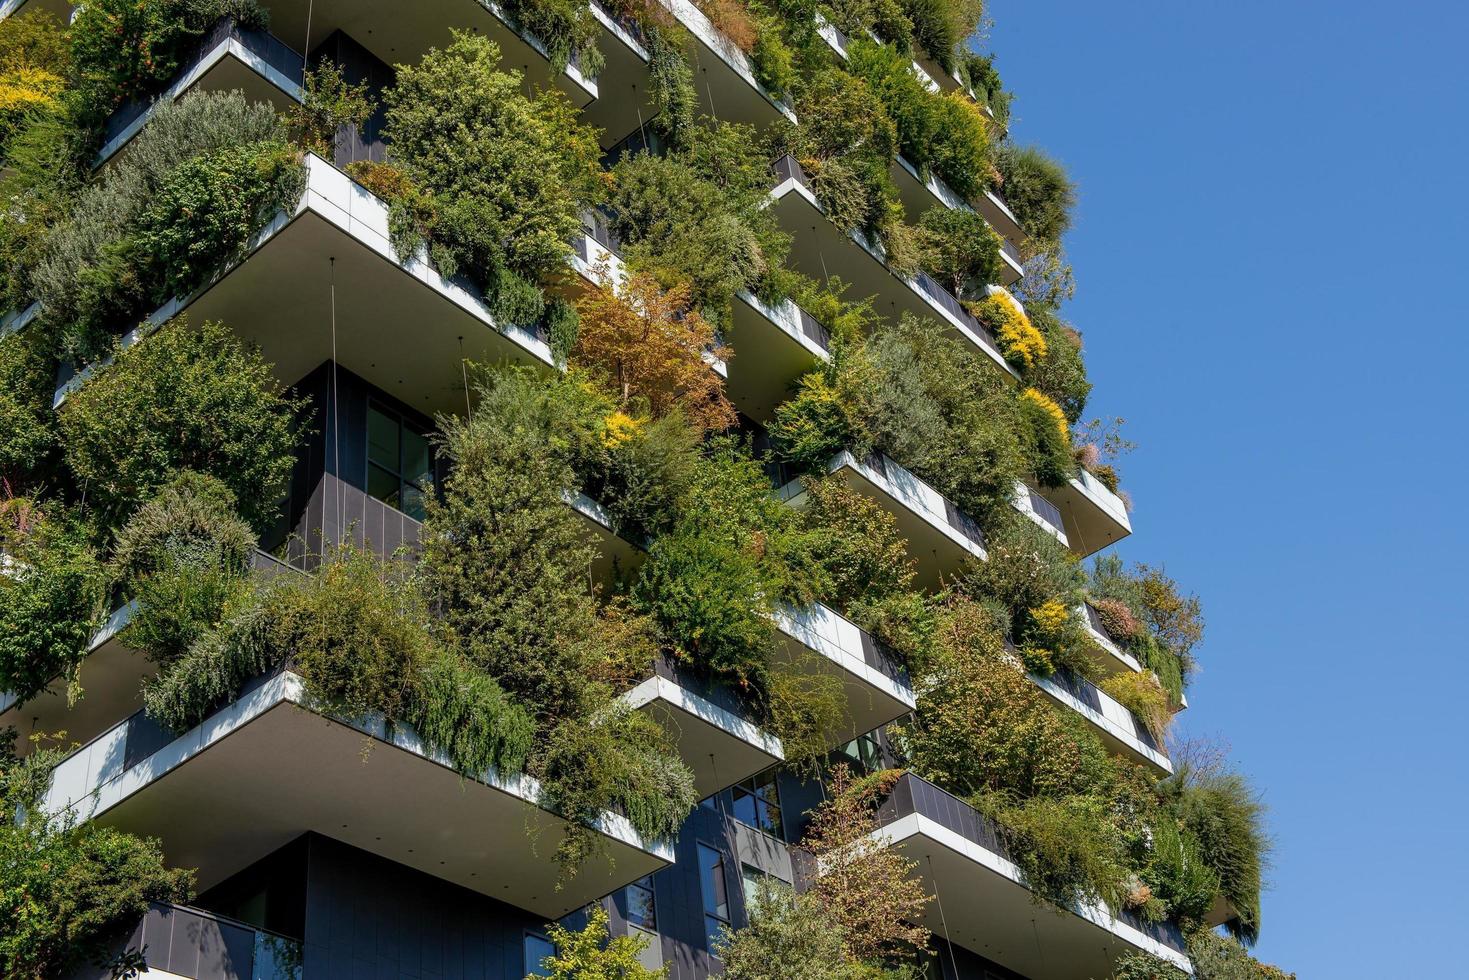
{"x":912,"y":794}
{"x":1094,"y":698}
{"x":1044,"y":509}
{"x":264,"y":45}
{"x":198,"y":945}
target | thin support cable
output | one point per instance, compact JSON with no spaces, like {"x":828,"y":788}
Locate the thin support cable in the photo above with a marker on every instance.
{"x":943,"y":920}
{"x":306,"y":50}
{"x":464,"y":375}
{"x":341,"y":491}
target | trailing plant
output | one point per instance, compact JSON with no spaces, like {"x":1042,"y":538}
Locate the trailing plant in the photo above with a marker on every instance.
{"x":209,"y":151}
{"x":67,"y":888}
{"x":52,"y":593}
{"x":328,"y":102}
{"x":1178,"y":875}
{"x":646,"y":343}
{"x":181,"y":399}
{"x":1038,"y":191}
{"x":500,"y":202}
{"x":671,"y":88}
{"x":1024,"y":346}
{"x":589,"y":953}
{"x":463,"y":712}
{"x":1066,"y":848}
{"x":181,"y":558}
{"x":567,"y":30}
{"x":979,"y":73}
{"x":1145,"y":966}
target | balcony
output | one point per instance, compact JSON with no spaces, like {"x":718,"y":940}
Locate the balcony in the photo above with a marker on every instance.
{"x":1046,"y":515}
{"x":228,"y":58}
{"x":1121,"y":731}
{"x":1093,"y":516}
{"x":111,"y":676}
{"x":940,"y":537}
{"x":61,"y":8}
{"x":821,"y":250}
{"x":1114,"y":659}
{"x":963,"y":860}
{"x":400,"y":325}
{"x":198,"y":945}
{"x":267,"y":768}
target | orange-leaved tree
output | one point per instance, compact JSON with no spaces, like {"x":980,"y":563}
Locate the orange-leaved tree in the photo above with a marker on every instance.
{"x":649,"y":344}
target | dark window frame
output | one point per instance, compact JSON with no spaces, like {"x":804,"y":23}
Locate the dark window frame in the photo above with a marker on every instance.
{"x":424,"y":485}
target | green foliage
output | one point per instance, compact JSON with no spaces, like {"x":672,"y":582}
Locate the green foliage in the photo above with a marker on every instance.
{"x":39,"y":183}
{"x":960,"y":250}
{"x":328,"y":102}
{"x":588,"y":954}
{"x":1145,"y":612}
{"x":1061,"y":374}
{"x":788,"y":935}
{"x":982,"y":727}
{"x":1217,"y":957}
{"x":206,"y":211}
{"x":940,"y":25}
{"x":1177,"y":874}
{"x":1046,"y":443}
{"x":462,"y":711}
{"x":1038,"y":191}
{"x":1145,"y":966}
{"x":34,"y":61}
{"x":1226,"y":819}
{"x":504,"y":560}
{"x":181,"y":399}
{"x":772,"y":60}
{"x":979,"y":73}
{"x":698,"y":217}
{"x":96,"y":277}
{"x":1066,"y":847}
{"x":944,"y":415}
{"x":131,"y":49}
{"x":885,"y":18}
{"x":671,"y":89}
{"x":568,"y":30}
{"x":181,"y":558}
{"x":501,"y":199}
{"x":28,"y":436}
{"x":52,"y":591}
{"x":614,"y":759}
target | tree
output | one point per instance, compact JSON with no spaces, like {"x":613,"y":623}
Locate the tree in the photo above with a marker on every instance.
{"x":505,"y":176}
{"x":328,"y":102}
{"x":588,"y":954}
{"x":647,"y":344}
{"x":181,"y":399}
{"x":865,"y":887}
{"x":959,"y":249}
{"x":789,"y":935}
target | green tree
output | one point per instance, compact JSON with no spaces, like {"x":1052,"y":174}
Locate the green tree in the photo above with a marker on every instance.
{"x":181,"y":399}
{"x":588,"y":953}
{"x":959,"y":249}
{"x":505,"y":177}
{"x":789,"y":935}
{"x":328,"y":102}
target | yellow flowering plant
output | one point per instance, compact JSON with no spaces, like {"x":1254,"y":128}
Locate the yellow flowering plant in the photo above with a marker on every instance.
{"x":1049,"y":406}
{"x":1023,"y":345}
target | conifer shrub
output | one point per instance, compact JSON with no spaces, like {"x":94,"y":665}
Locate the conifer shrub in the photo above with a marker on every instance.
{"x":181,"y":399}
{"x":499,"y":203}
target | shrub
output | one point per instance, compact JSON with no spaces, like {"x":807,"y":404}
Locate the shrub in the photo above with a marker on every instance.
{"x":1145,"y":966}
{"x":979,"y":73}
{"x":1059,"y":372}
{"x":845,"y":143}
{"x":1024,"y":346}
{"x":39,"y":183}
{"x":940,"y":25}
{"x":983,"y":727}
{"x":671,"y":89}
{"x":52,"y":590}
{"x":1178,"y":875}
{"x":126,"y":49}
{"x":959,"y":249}
{"x":773,"y":61}
{"x":1038,"y":191}
{"x":590,"y":955}
{"x":328,"y":102}
{"x":501,"y":200}
{"x":614,"y":759}
{"x":181,"y":399}
{"x":644,"y":472}
{"x":1166,"y":625}
{"x":504,"y":560}
{"x":34,"y":61}
{"x":885,"y":18}
{"x":788,"y":935}
{"x":181,"y":557}
{"x":1217,"y":957}
{"x":94,"y":276}
{"x":1065,"y":847}
{"x":1046,"y":437}
{"x":1225,"y":817}
{"x":962,"y":155}
{"x":462,"y":711}
{"x":1143,"y":696}
{"x":698,"y":217}
{"x":646,"y":343}
{"x":28,"y":436}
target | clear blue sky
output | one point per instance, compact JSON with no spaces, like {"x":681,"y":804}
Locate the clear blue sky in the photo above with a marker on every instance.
{"x":1271,"y":253}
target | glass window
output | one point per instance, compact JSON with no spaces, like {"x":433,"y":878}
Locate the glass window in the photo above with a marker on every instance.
{"x":716,"y":894}
{"x":399,"y":461}
{"x":537,"y":948}
{"x":641,"y":910}
{"x":752,"y":878}
{"x":864,"y":753}
{"x":757,"y":804}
